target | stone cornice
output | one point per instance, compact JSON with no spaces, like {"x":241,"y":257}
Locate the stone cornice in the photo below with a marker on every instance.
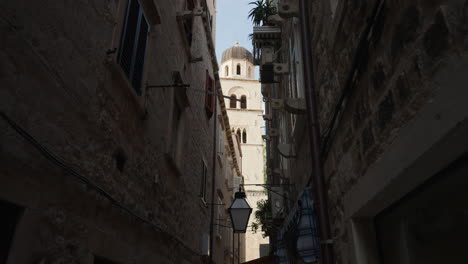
{"x":244,"y":110}
{"x":234,"y":79}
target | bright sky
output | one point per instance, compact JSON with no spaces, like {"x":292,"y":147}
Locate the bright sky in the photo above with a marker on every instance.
{"x":232,"y":25}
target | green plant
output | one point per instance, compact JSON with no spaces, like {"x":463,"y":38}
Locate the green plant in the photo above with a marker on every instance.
{"x":263,"y":218}
{"x":261,"y":11}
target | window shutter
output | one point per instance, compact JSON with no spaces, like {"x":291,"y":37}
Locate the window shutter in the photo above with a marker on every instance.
{"x":233,"y":102}
{"x":213,"y":90}
{"x":207,"y":98}
{"x":188,"y":22}
{"x":128,"y":37}
{"x":140,"y":55}
{"x":133,"y":44}
{"x":209,"y":95}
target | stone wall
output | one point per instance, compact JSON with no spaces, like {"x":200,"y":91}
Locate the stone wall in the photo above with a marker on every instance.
{"x":62,"y":84}
{"x":410,"y":42}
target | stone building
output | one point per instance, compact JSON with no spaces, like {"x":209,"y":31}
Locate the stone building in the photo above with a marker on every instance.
{"x":384,"y":84}
{"x":106,"y":142}
{"x":245,"y":111}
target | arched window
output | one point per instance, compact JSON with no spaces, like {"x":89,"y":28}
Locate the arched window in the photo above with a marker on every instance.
{"x":249,"y":72}
{"x":238,"y":69}
{"x":244,"y":136}
{"x":238,"y":133}
{"x":243,"y":102}
{"x":233,"y":102}
{"x":226,"y":70}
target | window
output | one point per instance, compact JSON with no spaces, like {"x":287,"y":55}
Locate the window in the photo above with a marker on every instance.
{"x":10,"y":216}
{"x":233,"y":102}
{"x":429,"y":224}
{"x":209,"y":95}
{"x":243,"y":102}
{"x":238,"y":133}
{"x":226,"y":70}
{"x":238,"y":69}
{"x":188,"y":22}
{"x":133,"y":44}
{"x":244,"y":136}
{"x":204,"y":174}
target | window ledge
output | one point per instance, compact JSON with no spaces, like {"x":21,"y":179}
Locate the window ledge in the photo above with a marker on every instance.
{"x":118,"y":76}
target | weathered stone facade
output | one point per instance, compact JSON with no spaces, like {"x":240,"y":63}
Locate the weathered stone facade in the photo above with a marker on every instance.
{"x":120,"y":179}
{"x":389,"y":76}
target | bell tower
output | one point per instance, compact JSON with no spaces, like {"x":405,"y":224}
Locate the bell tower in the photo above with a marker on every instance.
{"x":245,"y":110}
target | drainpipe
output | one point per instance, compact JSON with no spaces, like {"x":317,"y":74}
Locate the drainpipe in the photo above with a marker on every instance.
{"x":213,"y":175}
{"x":317,"y":178}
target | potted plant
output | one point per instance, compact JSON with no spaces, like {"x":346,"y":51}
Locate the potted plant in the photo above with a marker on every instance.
{"x":261,"y":11}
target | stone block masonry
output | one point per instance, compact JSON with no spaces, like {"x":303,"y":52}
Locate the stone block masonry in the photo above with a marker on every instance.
{"x":62,"y":83}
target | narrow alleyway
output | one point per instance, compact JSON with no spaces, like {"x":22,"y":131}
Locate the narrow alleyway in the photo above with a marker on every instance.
{"x":228,"y":132}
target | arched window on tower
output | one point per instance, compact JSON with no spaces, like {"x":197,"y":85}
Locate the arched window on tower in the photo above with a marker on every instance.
{"x":244,"y":136}
{"x":243,"y":102}
{"x":233,"y":101}
{"x":238,"y":69}
{"x":226,"y":71}
{"x":238,"y":133}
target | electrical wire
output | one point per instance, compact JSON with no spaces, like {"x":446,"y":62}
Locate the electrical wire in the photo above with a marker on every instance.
{"x":68,"y":169}
{"x":330,"y":132}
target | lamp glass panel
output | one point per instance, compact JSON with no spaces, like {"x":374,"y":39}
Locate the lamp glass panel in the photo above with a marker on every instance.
{"x":240,"y":218}
{"x":240,"y":204}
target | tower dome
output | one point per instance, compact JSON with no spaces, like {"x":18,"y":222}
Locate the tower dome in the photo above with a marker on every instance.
{"x":237,"y":52}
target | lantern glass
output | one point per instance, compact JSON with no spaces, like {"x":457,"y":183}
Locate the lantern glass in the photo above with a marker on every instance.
{"x":240,"y":212}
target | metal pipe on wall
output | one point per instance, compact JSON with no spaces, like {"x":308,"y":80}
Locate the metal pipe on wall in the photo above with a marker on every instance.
{"x":213,"y":177}
{"x":317,"y":178}
{"x":233,"y":246}
{"x":238,"y":248}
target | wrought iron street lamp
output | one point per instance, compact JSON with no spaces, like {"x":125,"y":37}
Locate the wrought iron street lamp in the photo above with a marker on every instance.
{"x":240,"y":212}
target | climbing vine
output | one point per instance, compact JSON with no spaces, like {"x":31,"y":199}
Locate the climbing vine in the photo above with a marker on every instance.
{"x":263,"y":219}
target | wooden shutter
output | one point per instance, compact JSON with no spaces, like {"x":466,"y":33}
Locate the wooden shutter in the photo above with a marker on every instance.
{"x":188,"y":22}
{"x":243,"y":102}
{"x":233,"y":102}
{"x":203,"y":181}
{"x":139,"y":59}
{"x":128,"y":37}
{"x":133,"y":44}
{"x":209,"y":95}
